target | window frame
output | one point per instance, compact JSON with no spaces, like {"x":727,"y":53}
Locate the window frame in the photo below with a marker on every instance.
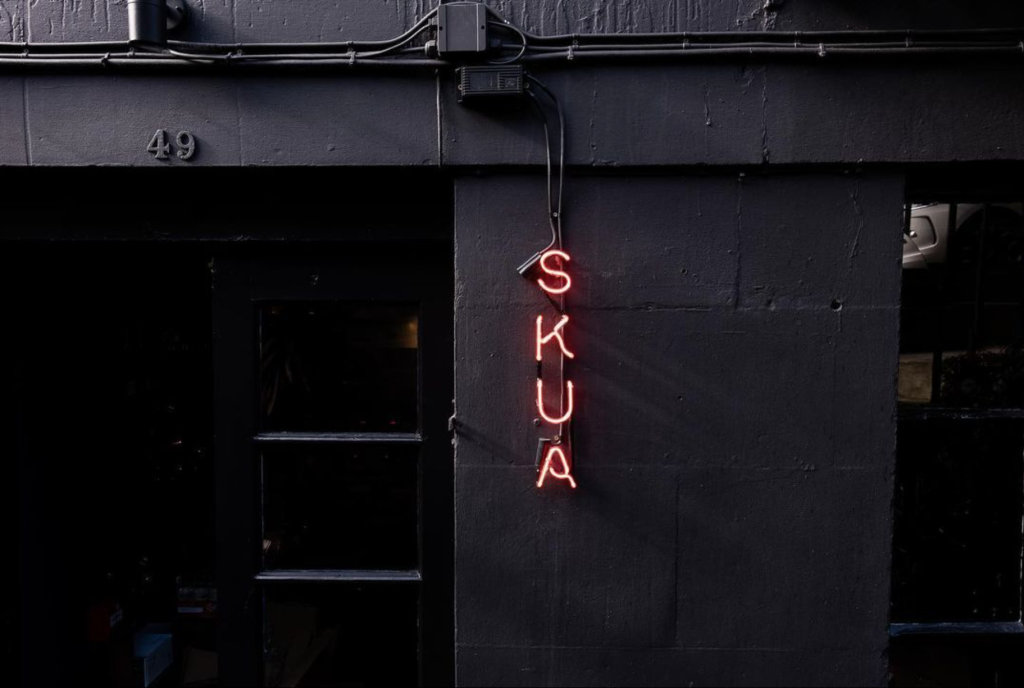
{"x":418,"y":274}
{"x":988,"y":189}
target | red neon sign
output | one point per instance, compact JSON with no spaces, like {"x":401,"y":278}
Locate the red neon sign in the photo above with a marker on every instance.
{"x":540,"y":404}
{"x":556,"y":333}
{"x":556,"y":291}
{"x":556,"y":462}
{"x":565,"y":473}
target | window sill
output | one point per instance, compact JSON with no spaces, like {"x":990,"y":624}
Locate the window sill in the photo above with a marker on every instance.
{"x":959,"y":629}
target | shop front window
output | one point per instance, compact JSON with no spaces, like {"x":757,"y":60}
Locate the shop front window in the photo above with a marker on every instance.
{"x":957,"y":585}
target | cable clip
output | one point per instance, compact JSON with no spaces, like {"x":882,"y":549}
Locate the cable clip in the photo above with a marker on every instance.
{"x":105,"y":60}
{"x":1022,"y":47}
{"x":821,"y":50}
{"x":797,"y":39}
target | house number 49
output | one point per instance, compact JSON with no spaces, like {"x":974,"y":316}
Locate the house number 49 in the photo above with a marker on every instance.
{"x":160,"y":147}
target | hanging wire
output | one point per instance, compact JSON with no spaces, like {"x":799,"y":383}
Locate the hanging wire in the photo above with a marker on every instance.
{"x":556,"y":206}
{"x":552,"y":212}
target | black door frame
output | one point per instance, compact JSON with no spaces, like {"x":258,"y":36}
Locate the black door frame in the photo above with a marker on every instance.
{"x":244,"y":280}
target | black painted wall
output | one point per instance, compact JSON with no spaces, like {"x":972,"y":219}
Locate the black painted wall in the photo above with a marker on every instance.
{"x":737,"y":331}
{"x":736,"y":341}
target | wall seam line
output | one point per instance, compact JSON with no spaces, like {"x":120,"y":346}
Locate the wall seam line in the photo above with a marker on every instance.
{"x":24,"y":112}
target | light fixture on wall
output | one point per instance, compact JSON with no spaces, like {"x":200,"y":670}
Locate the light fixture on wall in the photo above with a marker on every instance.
{"x":149,"y":21}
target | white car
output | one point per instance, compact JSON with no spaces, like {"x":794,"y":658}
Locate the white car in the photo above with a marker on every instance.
{"x":927,"y":242}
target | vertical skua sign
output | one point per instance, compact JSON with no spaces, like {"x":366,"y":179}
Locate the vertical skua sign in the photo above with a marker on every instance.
{"x":556,"y":282}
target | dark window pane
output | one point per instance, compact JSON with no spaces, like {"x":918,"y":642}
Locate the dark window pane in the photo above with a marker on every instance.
{"x":957,"y":662}
{"x":962,"y":341}
{"x":341,"y":508}
{"x":341,"y":636}
{"x":331,"y":367}
{"x":958,"y":521}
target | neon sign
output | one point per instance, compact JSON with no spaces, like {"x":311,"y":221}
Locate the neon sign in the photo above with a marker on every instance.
{"x":540,"y":404}
{"x":556,"y":333}
{"x":565,"y":473}
{"x":556,"y":463}
{"x":555,"y":291}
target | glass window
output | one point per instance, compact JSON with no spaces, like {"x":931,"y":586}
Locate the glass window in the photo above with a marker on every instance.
{"x":958,"y":516}
{"x":956,"y":603}
{"x":351,"y":508}
{"x":357,"y":636}
{"x":333,"y":367}
{"x":962,"y":339}
{"x":956,"y":662}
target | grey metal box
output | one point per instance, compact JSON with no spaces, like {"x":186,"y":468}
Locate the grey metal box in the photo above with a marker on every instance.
{"x":462,"y":28}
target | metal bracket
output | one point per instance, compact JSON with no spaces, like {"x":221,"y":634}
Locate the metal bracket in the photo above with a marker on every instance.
{"x":177,"y":14}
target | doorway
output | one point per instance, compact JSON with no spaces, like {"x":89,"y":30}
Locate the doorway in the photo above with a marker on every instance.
{"x":232,"y":463}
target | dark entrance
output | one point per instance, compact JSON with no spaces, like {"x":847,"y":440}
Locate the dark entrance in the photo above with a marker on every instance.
{"x":334,"y":478}
{"x":112,"y":408}
{"x":240,"y":446}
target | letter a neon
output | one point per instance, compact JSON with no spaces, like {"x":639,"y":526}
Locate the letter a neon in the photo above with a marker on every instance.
{"x":549,"y":468}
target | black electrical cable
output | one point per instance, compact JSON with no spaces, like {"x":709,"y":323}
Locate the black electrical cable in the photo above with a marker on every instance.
{"x":581,"y":39}
{"x":550,"y":180}
{"x":569,"y":56}
{"x":24,"y":46}
{"x":711,"y":47}
{"x":530,"y":49}
{"x":523,"y":47}
{"x":396,"y":45}
{"x":764,"y":43}
{"x":558,"y":206}
{"x":572,"y":54}
{"x":185,"y":46}
{"x":171,"y":63}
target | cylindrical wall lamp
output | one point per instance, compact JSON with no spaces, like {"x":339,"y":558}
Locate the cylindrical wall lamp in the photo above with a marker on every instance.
{"x":150,"y":20}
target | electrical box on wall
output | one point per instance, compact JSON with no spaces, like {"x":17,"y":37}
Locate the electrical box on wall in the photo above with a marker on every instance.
{"x":490,"y":83}
{"x":461,"y":29}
